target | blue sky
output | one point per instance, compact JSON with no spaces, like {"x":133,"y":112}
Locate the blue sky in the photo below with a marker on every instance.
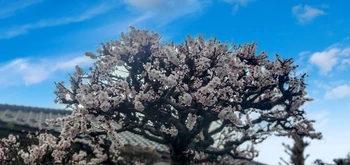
{"x":42,"y":41}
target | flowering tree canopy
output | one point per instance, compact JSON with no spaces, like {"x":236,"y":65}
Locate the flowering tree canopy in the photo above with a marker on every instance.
{"x":207,"y":101}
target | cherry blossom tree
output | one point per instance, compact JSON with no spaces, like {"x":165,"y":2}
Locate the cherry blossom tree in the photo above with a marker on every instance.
{"x":206,"y":100}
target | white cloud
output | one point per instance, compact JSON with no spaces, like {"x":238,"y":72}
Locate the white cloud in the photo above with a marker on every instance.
{"x":335,"y":56}
{"x":32,"y":71}
{"x":22,"y":70}
{"x":166,"y":11}
{"x":338,"y":92}
{"x":306,"y":13}
{"x":238,"y":3}
{"x":8,"y":10}
{"x":345,"y":52}
{"x":325,"y":60}
{"x":23,"y":29}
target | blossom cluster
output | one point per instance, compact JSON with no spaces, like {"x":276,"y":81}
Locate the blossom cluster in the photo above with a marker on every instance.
{"x":191,"y":121}
{"x":171,"y":131}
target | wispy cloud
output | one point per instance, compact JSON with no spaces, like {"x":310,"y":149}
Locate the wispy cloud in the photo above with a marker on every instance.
{"x":306,"y":13}
{"x":114,"y":29}
{"x":166,"y":11}
{"x":31,"y":71}
{"x":338,"y":92}
{"x":147,"y":4}
{"x":238,"y":3}
{"x":23,"y":29}
{"x":69,"y":64}
{"x":10,"y":9}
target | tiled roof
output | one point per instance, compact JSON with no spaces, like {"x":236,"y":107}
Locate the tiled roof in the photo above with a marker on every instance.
{"x":35,"y":117}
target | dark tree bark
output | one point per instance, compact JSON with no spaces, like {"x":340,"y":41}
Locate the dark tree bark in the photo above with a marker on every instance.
{"x":297,"y":152}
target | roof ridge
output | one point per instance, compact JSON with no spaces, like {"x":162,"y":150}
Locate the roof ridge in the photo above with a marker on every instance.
{"x":33,"y":108}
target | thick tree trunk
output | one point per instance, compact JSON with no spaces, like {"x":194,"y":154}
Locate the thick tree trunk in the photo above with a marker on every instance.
{"x":178,"y":154}
{"x":298,"y":150}
{"x":179,"y":149}
{"x":180,"y":159}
